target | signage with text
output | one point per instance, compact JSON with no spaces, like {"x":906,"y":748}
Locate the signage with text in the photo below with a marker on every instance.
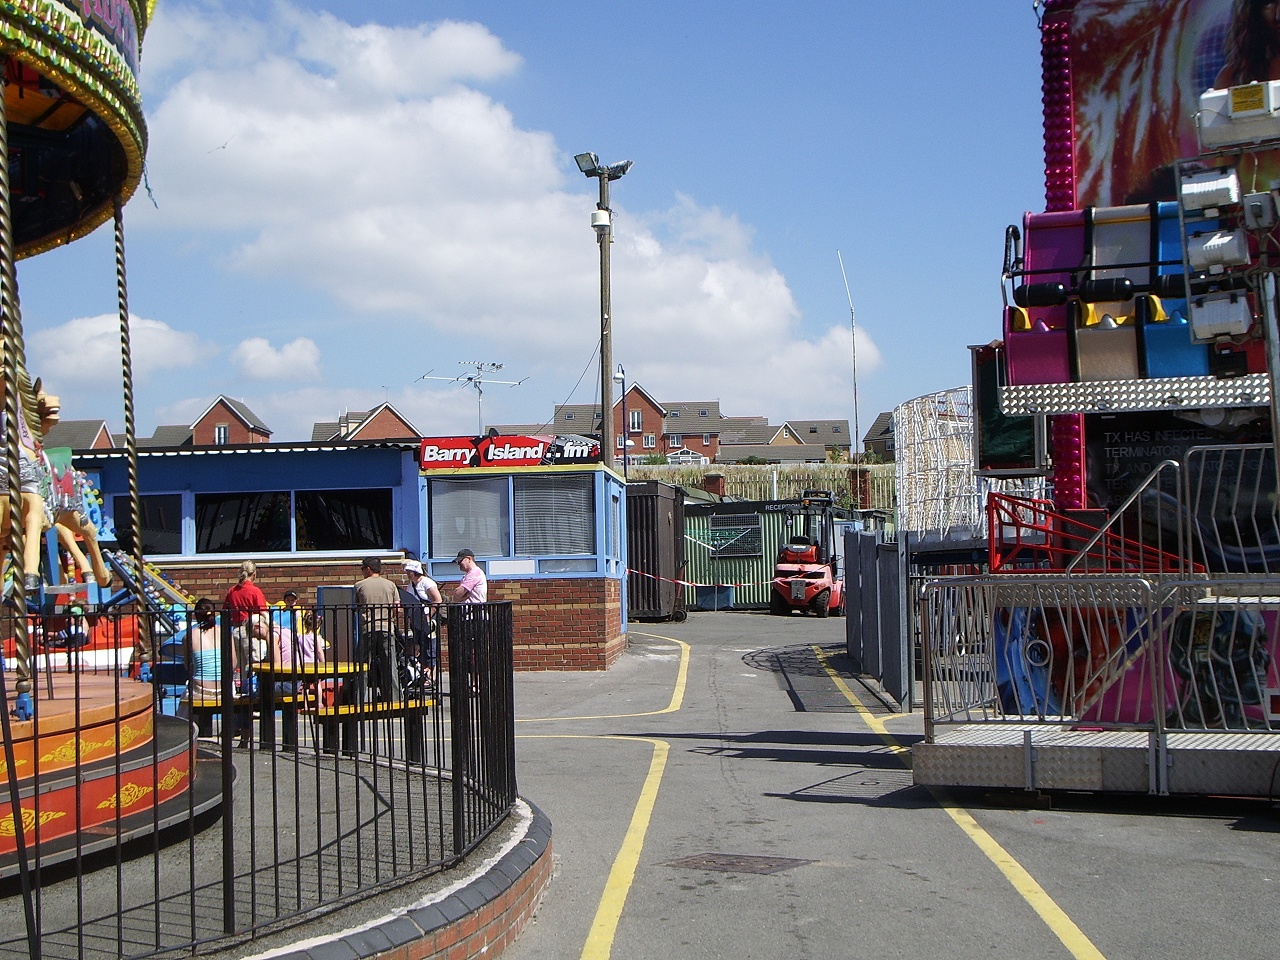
{"x":451,"y":453}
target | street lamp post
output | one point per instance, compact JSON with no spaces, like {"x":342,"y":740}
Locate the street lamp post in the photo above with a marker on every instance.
{"x":621,"y":377}
{"x":602,"y":223}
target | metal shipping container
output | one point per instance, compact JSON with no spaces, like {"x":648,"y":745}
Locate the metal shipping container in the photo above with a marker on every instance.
{"x":655,"y":551}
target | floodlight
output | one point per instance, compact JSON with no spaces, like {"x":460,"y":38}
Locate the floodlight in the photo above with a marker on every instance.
{"x":615,"y":170}
{"x":588,"y":163}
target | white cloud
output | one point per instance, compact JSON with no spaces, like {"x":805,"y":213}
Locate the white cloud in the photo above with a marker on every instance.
{"x":365,"y":163}
{"x":86,"y":351}
{"x":256,"y":359}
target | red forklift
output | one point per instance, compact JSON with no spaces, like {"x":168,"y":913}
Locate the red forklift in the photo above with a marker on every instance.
{"x":807,"y":574}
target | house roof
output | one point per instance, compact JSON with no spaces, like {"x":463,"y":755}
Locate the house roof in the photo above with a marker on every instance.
{"x":518,"y":429}
{"x":164,"y":436}
{"x":735,"y":431}
{"x":355,"y":428}
{"x":76,"y":434}
{"x":832,"y":433}
{"x":571,"y":417}
{"x":686,"y":410}
{"x":774,"y":452}
{"x":326,"y":430}
{"x":238,"y":407}
{"x":881,"y":428}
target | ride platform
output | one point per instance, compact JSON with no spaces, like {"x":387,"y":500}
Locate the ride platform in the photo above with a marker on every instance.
{"x":96,"y":766}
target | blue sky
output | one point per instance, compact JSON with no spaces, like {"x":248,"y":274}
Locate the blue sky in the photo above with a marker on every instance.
{"x":349,"y":195}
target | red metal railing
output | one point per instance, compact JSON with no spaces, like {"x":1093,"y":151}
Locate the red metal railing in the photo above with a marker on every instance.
{"x":1028,"y":535}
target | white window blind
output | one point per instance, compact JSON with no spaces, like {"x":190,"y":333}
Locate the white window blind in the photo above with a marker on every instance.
{"x":475,"y":514}
{"x":555,"y":515}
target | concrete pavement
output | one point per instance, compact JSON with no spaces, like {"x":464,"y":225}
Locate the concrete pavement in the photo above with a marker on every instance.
{"x":726,"y":790}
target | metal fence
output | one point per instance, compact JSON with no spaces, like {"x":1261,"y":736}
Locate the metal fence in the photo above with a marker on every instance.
{"x":1104,"y":653}
{"x":856,"y":486}
{"x":156,"y":819}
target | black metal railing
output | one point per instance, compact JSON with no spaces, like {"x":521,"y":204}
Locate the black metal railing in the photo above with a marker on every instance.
{"x":226,"y":800}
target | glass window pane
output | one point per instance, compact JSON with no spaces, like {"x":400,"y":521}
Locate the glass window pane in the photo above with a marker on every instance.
{"x":161,"y":522}
{"x":343,"y":519}
{"x":555,"y":514}
{"x":242,"y":522}
{"x":475,"y":514}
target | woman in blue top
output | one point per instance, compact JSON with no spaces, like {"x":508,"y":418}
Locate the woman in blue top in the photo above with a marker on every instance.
{"x":204,"y":653}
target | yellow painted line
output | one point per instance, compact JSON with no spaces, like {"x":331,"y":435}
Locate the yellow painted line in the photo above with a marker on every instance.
{"x":604,"y":926}
{"x":677,"y":694}
{"x":1063,"y":927}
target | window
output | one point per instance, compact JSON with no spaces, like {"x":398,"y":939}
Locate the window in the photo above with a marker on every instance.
{"x":242,"y":522}
{"x":554,"y":515}
{"x":706,"y":439}
{"x":222,"y":434}
{"x":702,"y":413}
{"x":342,"y":519}
{"x":675,"y":441}
{"x":475,"y":514}
{"x":650,"y":441}
{"x":674,"y":414}
{"x":813,"y":429}
{"x":637,"y":420}
{"x":161,"y":516}
{"x":568,"y":416}
{"x":835,"y":428}
{"x":620,"y":442}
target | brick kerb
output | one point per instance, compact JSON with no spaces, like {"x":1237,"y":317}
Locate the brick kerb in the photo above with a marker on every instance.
{"x":506,"y":876}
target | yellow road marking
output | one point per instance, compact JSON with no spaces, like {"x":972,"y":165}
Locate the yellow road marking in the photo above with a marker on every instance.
{"x":599,"y":943}
{"x":1063,"y":927}
{"x":677,"y":695}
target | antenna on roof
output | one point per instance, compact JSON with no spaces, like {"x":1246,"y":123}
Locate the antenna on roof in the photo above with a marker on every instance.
{"x":477,"y":380}
{"x":853,"y":327}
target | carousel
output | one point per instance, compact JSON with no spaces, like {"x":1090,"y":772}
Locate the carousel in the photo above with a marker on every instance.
{"x":88,"y":761}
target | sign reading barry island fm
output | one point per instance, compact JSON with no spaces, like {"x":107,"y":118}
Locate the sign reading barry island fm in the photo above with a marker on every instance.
{"x":452,"y":453}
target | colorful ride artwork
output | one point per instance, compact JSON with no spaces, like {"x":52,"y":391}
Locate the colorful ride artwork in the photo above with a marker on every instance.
{"x":1139,"y":320}
{"x":72,"y":146}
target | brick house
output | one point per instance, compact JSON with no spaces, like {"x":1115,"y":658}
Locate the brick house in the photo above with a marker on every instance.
{"x":383,"y":422}
{"x":80,"y":435}
{"x":879,"y":438}
{"x":224,"y":423}
{"x":689,"y":430}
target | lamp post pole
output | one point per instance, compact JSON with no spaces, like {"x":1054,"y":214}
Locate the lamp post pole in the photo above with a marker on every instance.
{"x":621,"y":376}
{"x":602,"y":222}
{"x":604,"y":236}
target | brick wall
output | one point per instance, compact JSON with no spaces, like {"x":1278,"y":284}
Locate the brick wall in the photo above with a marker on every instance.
{"x":570,"y":624}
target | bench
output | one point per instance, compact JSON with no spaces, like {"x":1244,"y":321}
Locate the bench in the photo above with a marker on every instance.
{"x":345,"y":719}
{"x":204,"y":709}
{"x":288,"y":704}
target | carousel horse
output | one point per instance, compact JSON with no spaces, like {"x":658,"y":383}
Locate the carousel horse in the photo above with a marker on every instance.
{"x":35,"y":517}
{"x":70,"y":498}
{"x":54,"y":494}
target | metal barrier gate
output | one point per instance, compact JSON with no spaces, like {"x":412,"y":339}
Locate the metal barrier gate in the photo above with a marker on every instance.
{"x":1177,"y":665}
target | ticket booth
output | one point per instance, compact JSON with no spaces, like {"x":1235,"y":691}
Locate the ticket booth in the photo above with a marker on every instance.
{"x":546,"y":520}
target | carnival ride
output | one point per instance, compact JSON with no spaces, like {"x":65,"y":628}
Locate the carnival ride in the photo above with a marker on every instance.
{"x":1130,"y":614}
{"x":88,"y":761}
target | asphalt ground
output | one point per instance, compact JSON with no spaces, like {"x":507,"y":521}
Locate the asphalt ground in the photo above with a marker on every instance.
{"x":728,"y":789}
